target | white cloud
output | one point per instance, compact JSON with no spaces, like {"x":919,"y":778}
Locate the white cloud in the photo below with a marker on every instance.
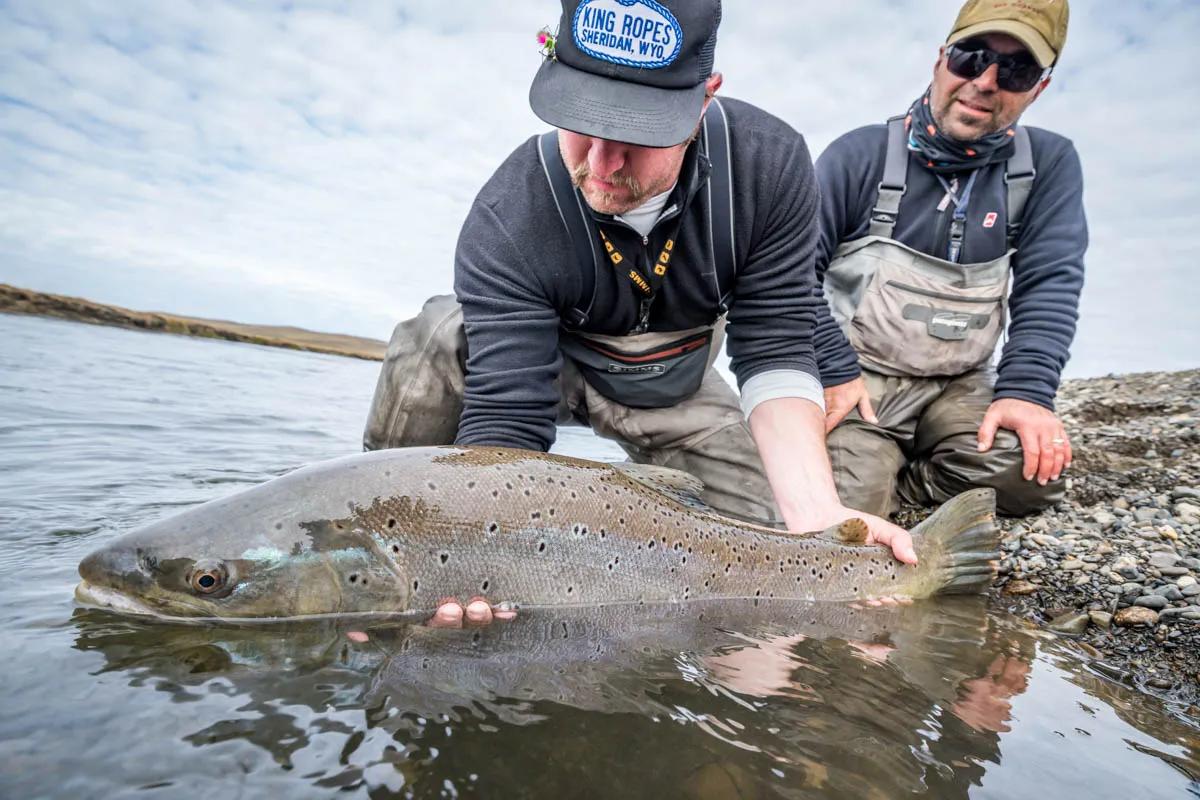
{"x":311,"y":163}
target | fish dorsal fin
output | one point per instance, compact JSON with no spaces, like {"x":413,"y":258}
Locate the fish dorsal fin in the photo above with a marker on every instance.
{"x":677,"y":484}
{"x":850,"y":531}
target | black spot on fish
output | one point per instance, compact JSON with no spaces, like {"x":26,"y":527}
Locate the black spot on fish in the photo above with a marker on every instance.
{"x":484,"y":586}
{"x":443,"y":557}
{"x":395,"y":548}
{"x":416,"y":585}
{"x":541,"y":547}
{"x":391,"y":523}
{"x":650,"y":545}
{"x":570,"y":590}
{"x":470,"y":484}
{"x":278,"y":526}
{"x":431,"y":486}
{"x":528,"y":493}
{"x":354,"y":577}
{"x":495,"y":492}
{"x":493,"y":528}
{"x":535,"y":515}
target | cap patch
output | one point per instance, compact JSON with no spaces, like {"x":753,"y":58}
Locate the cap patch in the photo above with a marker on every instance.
{"x":634,"y":33}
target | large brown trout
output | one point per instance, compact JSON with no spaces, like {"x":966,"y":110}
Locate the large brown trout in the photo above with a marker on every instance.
{"x":398,"y":530}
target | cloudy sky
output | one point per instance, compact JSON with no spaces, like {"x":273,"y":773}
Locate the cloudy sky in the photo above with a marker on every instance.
{"x":310,"y":162}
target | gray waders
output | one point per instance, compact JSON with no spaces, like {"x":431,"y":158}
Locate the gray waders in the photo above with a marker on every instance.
{"x":925,"y":329}
{"x":653,"y":393}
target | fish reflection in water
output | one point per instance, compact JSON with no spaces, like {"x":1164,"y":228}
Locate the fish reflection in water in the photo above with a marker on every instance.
{"x":697,"y":700}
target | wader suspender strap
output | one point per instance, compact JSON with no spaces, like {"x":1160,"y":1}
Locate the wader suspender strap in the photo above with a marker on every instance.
{"x":894,"y":183}
{"x":1018,"y":179}
{"x":584,"y":233}
{"x":577,"y":221}
{"x":720,"y":197}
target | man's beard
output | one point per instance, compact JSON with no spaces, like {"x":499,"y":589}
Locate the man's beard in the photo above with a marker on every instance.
{"x":604,"y":201}
{"x":979,"y":129}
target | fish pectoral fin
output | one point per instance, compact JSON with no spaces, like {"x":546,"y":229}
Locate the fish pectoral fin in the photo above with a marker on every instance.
{"x":680,"y":485}
{"x":850,"y":531}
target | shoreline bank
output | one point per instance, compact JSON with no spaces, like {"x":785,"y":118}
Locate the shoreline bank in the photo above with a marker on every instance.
{"x":15,"y":300}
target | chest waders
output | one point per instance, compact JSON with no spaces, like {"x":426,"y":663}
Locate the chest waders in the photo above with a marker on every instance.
{"x":911,"y":314}
{"x":644,"y":369}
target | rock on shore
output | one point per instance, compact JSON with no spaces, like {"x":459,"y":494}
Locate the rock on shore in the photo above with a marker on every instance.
{"x":1117,"y":564}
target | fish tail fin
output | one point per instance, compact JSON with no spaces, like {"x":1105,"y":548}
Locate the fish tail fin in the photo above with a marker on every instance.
{"x":958,"y":546}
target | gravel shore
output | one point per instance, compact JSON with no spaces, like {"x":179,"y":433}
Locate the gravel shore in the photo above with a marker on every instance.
{"x":1116,"y":565}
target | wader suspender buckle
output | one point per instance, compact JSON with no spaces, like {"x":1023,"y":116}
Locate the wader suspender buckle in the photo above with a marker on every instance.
{"x":894,"y":183}
{"x":715,"y":141}
{"x":583,"y":231}
{"x":1018,"y":178}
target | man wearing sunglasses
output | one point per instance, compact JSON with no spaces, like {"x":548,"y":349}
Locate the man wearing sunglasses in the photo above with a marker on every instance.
{"x":939,"y":230}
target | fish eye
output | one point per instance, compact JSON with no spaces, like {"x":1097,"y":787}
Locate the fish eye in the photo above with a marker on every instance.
{"x":207,"y":577}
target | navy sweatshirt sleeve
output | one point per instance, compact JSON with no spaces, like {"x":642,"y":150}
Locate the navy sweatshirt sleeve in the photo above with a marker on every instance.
{"x":511,"y":322}
{"x":1047,"y":276}
{"x":774,"y":308}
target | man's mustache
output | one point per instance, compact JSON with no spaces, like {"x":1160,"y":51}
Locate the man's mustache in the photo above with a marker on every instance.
{"x":582,"y":172}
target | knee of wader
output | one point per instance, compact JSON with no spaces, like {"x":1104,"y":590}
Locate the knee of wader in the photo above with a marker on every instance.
{"x":435,"y":334}
{"x":418,"y":396}
{"x":865,"y":463}
{"x":1000,"y":468}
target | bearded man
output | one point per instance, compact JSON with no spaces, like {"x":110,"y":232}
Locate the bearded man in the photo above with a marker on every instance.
{"x":602,"y":263}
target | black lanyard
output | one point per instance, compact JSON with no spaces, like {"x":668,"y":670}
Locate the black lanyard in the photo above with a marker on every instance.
{"x":646,"y":282}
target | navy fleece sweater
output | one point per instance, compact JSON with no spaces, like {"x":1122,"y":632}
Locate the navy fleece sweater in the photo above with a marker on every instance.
{"x":1047,"y":267}
{"x":516,"y":277}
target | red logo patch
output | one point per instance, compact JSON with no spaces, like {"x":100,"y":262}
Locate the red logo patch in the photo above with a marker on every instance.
{"x":990,"y":220}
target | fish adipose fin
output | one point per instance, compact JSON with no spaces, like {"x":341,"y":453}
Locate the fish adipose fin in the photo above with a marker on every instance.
{"x":958,"y":546}
{"x":683,"y":487}
{"x":851,"y":531}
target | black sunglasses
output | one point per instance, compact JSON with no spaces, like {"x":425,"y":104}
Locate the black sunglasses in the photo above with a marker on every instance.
{"x":1018,"y":72}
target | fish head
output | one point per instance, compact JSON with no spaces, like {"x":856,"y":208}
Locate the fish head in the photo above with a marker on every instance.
{"x":208,"y":563}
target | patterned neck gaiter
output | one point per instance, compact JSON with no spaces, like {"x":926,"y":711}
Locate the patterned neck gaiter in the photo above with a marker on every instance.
{"x":943,"y":154}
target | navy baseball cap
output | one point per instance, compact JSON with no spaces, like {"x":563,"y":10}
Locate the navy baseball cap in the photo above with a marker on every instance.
{"x":629,"y":70}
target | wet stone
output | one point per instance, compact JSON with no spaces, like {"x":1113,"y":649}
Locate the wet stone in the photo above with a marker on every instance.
{"x":1160,"y":560}
{"x":1071,"y":622}
{"x":1155,"y":601}
{"x":1071,"y":564}
{"x":1170,"y":591}
{"x":1174,"y":572}
{"x":1101,"y":619}
{"x":1190,"y":591}
{"x":1020,"y":588}
{"x":1144,"y":514}
{"x":1134,"y":615}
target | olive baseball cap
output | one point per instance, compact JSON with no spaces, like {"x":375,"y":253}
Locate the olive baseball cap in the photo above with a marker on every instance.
{"x":1040,"y":25}
{"x":629,"y":70}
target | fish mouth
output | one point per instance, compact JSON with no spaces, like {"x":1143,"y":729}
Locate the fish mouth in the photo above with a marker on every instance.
{"x":90,"y":594}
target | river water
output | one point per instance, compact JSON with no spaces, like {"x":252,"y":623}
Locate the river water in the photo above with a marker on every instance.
{"x":104,"y":429}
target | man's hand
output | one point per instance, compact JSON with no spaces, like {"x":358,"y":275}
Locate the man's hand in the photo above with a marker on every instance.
{"x":880,"y":531}
{"x":451,"y":613}
{"x":840,"y":399}
{"x":1043,"y":437}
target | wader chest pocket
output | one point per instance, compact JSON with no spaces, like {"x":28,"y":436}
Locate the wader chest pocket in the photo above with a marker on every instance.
{"x":655,"y":377}
{"x":911,"y":324}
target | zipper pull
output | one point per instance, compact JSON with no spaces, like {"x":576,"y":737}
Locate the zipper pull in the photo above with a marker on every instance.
{"x":646,"y":240}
